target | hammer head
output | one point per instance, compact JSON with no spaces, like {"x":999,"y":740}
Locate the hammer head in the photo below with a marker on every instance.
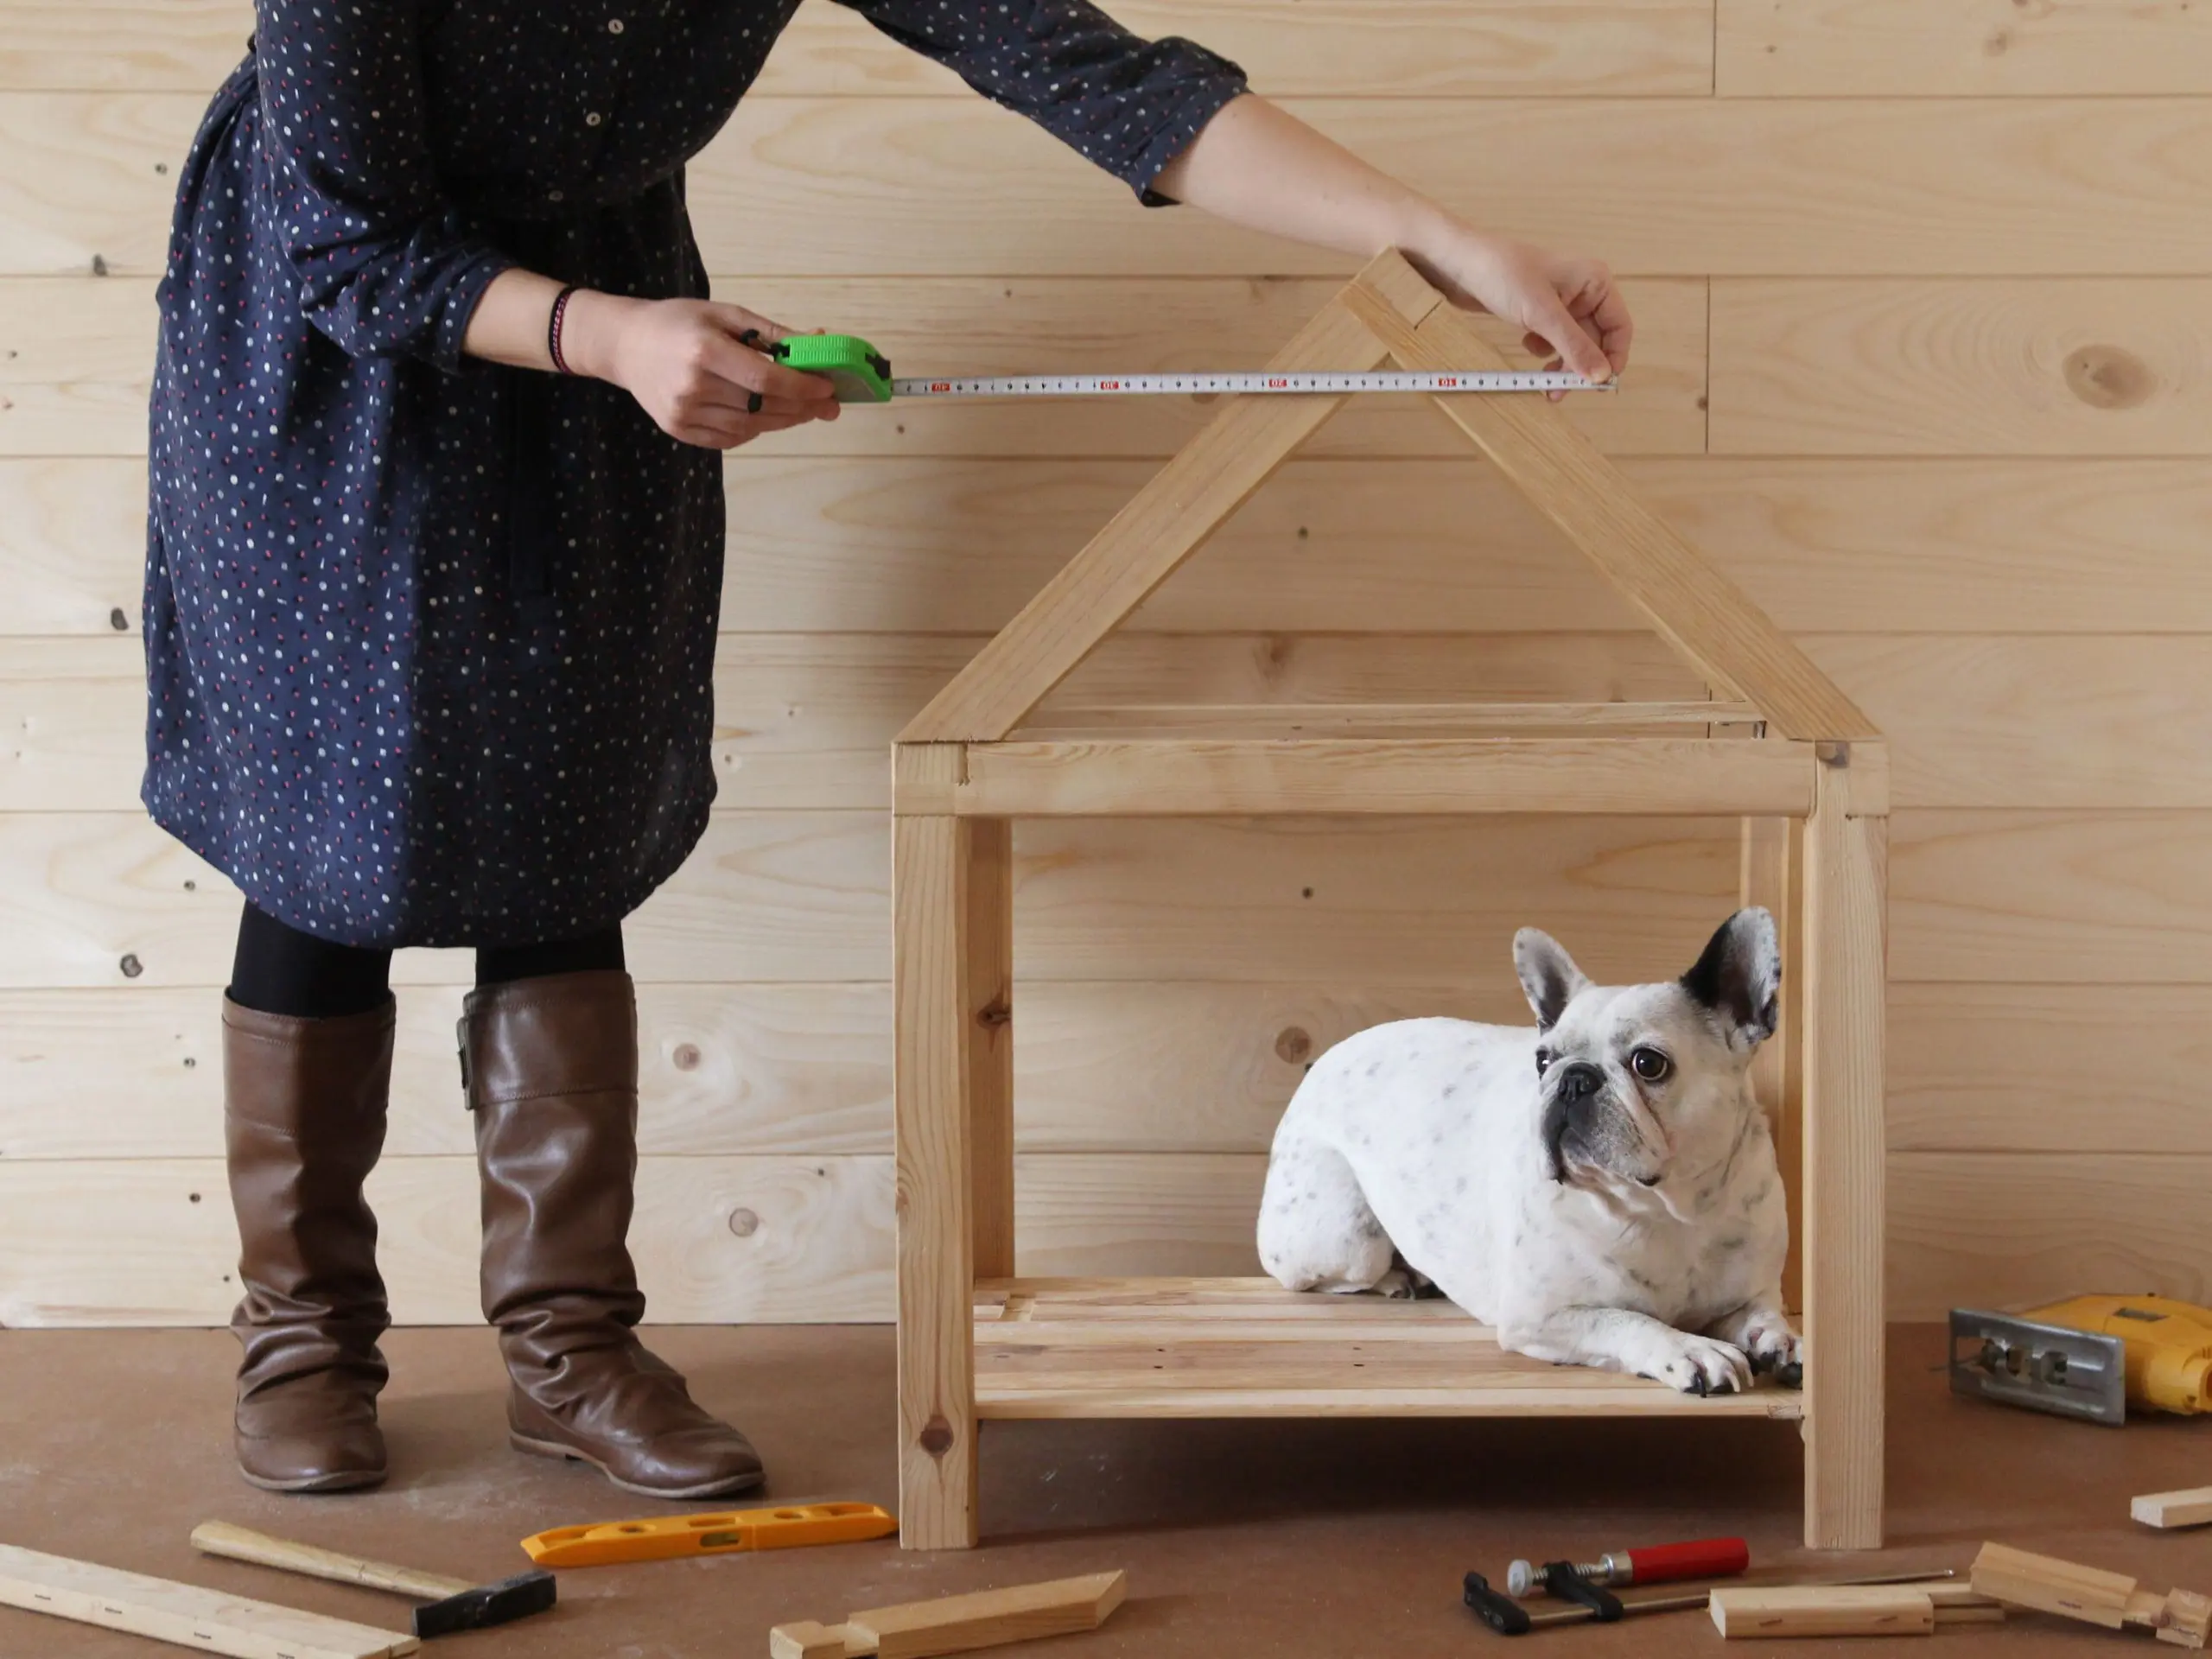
{"x":487,"y":1604}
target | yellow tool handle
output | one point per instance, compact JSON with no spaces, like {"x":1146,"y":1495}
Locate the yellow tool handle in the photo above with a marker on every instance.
{"x":241,"y":1544}
{"x":722,"y":1532}
{"x":2168,"y":1344}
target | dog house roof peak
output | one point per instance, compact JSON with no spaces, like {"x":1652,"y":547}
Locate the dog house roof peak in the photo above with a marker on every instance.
{"x":1390,"y":313}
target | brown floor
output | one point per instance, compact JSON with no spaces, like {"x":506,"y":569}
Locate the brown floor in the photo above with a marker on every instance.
{"x":1343,"y":1539}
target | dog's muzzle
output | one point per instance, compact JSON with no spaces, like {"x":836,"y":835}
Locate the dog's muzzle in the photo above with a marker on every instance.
{"x":1579,"y":1085}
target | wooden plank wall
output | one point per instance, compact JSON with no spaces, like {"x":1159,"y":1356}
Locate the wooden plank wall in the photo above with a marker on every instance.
{"x":1923,"y":289}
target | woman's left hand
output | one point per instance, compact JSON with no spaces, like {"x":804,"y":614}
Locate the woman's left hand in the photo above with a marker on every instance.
{"x":1567,"y":309}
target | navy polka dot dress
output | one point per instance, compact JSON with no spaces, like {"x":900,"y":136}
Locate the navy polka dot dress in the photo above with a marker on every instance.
{"x":429,"y":641}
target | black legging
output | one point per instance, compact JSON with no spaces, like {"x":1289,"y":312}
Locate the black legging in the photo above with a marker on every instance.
{"x":281,"y":970}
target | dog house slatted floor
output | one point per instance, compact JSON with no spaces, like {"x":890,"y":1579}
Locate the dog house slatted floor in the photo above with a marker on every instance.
{"x":1779,"y":749}
{"x":1249,"y":1348}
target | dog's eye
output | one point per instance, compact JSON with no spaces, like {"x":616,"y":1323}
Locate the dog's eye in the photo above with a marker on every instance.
{"x":1543,"y":1061}
{"x":1651,"y":1065}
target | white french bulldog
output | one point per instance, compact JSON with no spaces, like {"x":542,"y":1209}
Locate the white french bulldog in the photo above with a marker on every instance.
{"x":1602,"y":1189}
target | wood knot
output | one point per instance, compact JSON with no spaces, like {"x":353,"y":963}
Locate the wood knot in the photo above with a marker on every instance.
{"x":744,"y":1222}
{"x":1292,"y":1045}
{"x":686,"y":1056}
{"x":2107,"y":376}
{"x":996,"y":1013}
{"x":937,"y":1437}
{"x":1997,"y":45}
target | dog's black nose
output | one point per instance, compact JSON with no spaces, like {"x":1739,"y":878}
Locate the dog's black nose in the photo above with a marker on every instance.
{"x":1580,"y":1081}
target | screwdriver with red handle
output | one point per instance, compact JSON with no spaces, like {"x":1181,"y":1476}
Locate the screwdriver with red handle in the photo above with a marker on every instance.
{"x":1702,"y":1558}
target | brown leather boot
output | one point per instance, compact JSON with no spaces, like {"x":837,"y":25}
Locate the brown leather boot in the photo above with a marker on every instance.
{"x":551,"y":1069}
{"x":303,"y":1119}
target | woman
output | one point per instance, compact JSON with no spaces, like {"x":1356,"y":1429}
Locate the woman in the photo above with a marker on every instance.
{"x":435,"y":559}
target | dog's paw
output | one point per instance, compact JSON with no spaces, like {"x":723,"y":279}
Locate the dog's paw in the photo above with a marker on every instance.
{"x":1778,"y":1351}
{"x":1405,"y":1284}
{"x":1704,"y":1365}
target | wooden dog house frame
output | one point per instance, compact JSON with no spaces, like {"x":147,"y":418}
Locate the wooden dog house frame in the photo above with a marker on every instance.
{"x":1789,"y":756}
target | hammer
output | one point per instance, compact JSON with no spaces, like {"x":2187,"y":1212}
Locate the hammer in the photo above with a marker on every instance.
{"x":452,"y":1604}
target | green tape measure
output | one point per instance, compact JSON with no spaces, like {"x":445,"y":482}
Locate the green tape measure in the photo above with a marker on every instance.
{"x":863,"y":375}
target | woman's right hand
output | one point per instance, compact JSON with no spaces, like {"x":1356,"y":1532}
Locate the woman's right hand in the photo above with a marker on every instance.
{"x":688,"y":365}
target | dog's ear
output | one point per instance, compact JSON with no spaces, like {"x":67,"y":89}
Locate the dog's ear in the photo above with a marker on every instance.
{"x":1548,"y":976}
{"x":1740,"y":977}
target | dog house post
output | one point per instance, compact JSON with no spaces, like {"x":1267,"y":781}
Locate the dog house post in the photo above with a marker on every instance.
{"x":1772,"y":877}
{"x":1846,"y":843}
{"x":989,"y":1005}
{"x":934,"y":958}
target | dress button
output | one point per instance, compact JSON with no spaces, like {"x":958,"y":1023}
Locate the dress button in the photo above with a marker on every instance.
{"x":591,"y":118}
{"x":614,"y":25}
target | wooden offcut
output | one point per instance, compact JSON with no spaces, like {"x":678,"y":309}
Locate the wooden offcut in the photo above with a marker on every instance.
{"x":1751,"y":1613}
{"x":2090,"y":1594}
{"x":205,"y":1620}
{"x":2190,"y":1507}
{"x":1776,"y":744}
{"x":984,"y":1619}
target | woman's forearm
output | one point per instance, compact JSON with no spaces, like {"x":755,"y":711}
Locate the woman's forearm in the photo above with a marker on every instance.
{"x":700,"y":369}
{"x":508,"y":323}
{"x":1257,"y":166}
{"x":513,"y":318}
